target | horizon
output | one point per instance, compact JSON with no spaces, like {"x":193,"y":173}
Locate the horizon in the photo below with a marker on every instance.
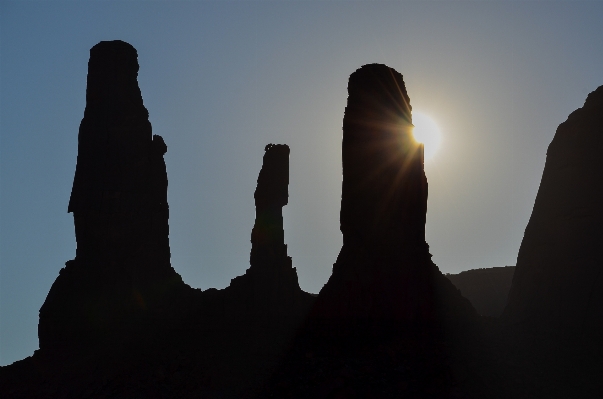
{"x":222,"y":80}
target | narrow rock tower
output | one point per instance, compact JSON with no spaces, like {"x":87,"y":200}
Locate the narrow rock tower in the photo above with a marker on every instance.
{"x":121,"y":272}
{"x":270,"y":286}
{"x":384,"y":274}
{"x":268,"y":248}
{"x":557,"y":289}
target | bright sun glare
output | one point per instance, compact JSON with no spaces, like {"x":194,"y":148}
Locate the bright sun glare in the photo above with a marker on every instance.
{"x":426,"y":131}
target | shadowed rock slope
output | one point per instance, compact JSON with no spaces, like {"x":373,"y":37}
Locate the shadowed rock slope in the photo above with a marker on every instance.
{"x":553,"y":323}
{"x":557,"y":289}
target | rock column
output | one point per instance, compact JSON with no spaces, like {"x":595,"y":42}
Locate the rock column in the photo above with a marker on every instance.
{"x":268,"y":249}
{"x":384,"y":274}
{"x":119,"y":204}
{"x":270,"y":286}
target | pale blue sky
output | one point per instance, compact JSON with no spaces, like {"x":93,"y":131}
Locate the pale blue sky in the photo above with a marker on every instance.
{"x":223,"y":79}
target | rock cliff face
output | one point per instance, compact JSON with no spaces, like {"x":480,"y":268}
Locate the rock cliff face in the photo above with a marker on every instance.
{"x":121,"y":273}
{"x":384,"y":272}
{"x":557,"y":289}
{"x":486,"y":289}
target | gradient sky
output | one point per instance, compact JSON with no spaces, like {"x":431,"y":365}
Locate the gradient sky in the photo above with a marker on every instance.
{"x":223,"y":79}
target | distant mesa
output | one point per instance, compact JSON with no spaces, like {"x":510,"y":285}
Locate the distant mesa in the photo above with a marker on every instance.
{"x":486,"y":289}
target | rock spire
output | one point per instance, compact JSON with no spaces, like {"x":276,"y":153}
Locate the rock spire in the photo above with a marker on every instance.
{"x":384,"y":190}
{"x":119,"y":205}
{"x":384,"y":273}
{"x":271,"y":195}
{"x":270,"y":286}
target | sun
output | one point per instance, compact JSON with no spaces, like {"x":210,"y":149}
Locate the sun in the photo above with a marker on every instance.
{"x":426,"y":131}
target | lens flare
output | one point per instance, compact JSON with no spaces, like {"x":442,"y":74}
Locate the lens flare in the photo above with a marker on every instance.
{"x":426,"y":131}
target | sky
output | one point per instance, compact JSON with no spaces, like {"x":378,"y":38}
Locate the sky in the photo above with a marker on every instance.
{"x":221,"y":79}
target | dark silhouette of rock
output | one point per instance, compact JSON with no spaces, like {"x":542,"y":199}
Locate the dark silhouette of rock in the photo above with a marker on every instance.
{"x":242,"y":331}
{"x":384,"y":273}
{"x":553,"y":321}
{"x":119,"y":322}
{"x":121,"y":273}
{"x":267,"y":296}
{"x":381,"y":325}
{"x":486,"y":289}
{"x":557,"y":290}
{"x":270,"y":286}
{"x":211,"y":344}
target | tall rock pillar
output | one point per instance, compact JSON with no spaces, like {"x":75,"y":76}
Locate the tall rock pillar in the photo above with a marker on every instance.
{"x":268,"y":248}
{"x":119,"y":204}
{"x":384,"y":274}
{"x":270,"y":286}
{"x":384,"y":189}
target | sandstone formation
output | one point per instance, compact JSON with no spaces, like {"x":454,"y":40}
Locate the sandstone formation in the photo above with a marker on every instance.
{"x":384,"y":273}
{"x":119,"y":322}
{"x":486,"y":289}
{"x":121,"y":274}
{"x":557,"y":290}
